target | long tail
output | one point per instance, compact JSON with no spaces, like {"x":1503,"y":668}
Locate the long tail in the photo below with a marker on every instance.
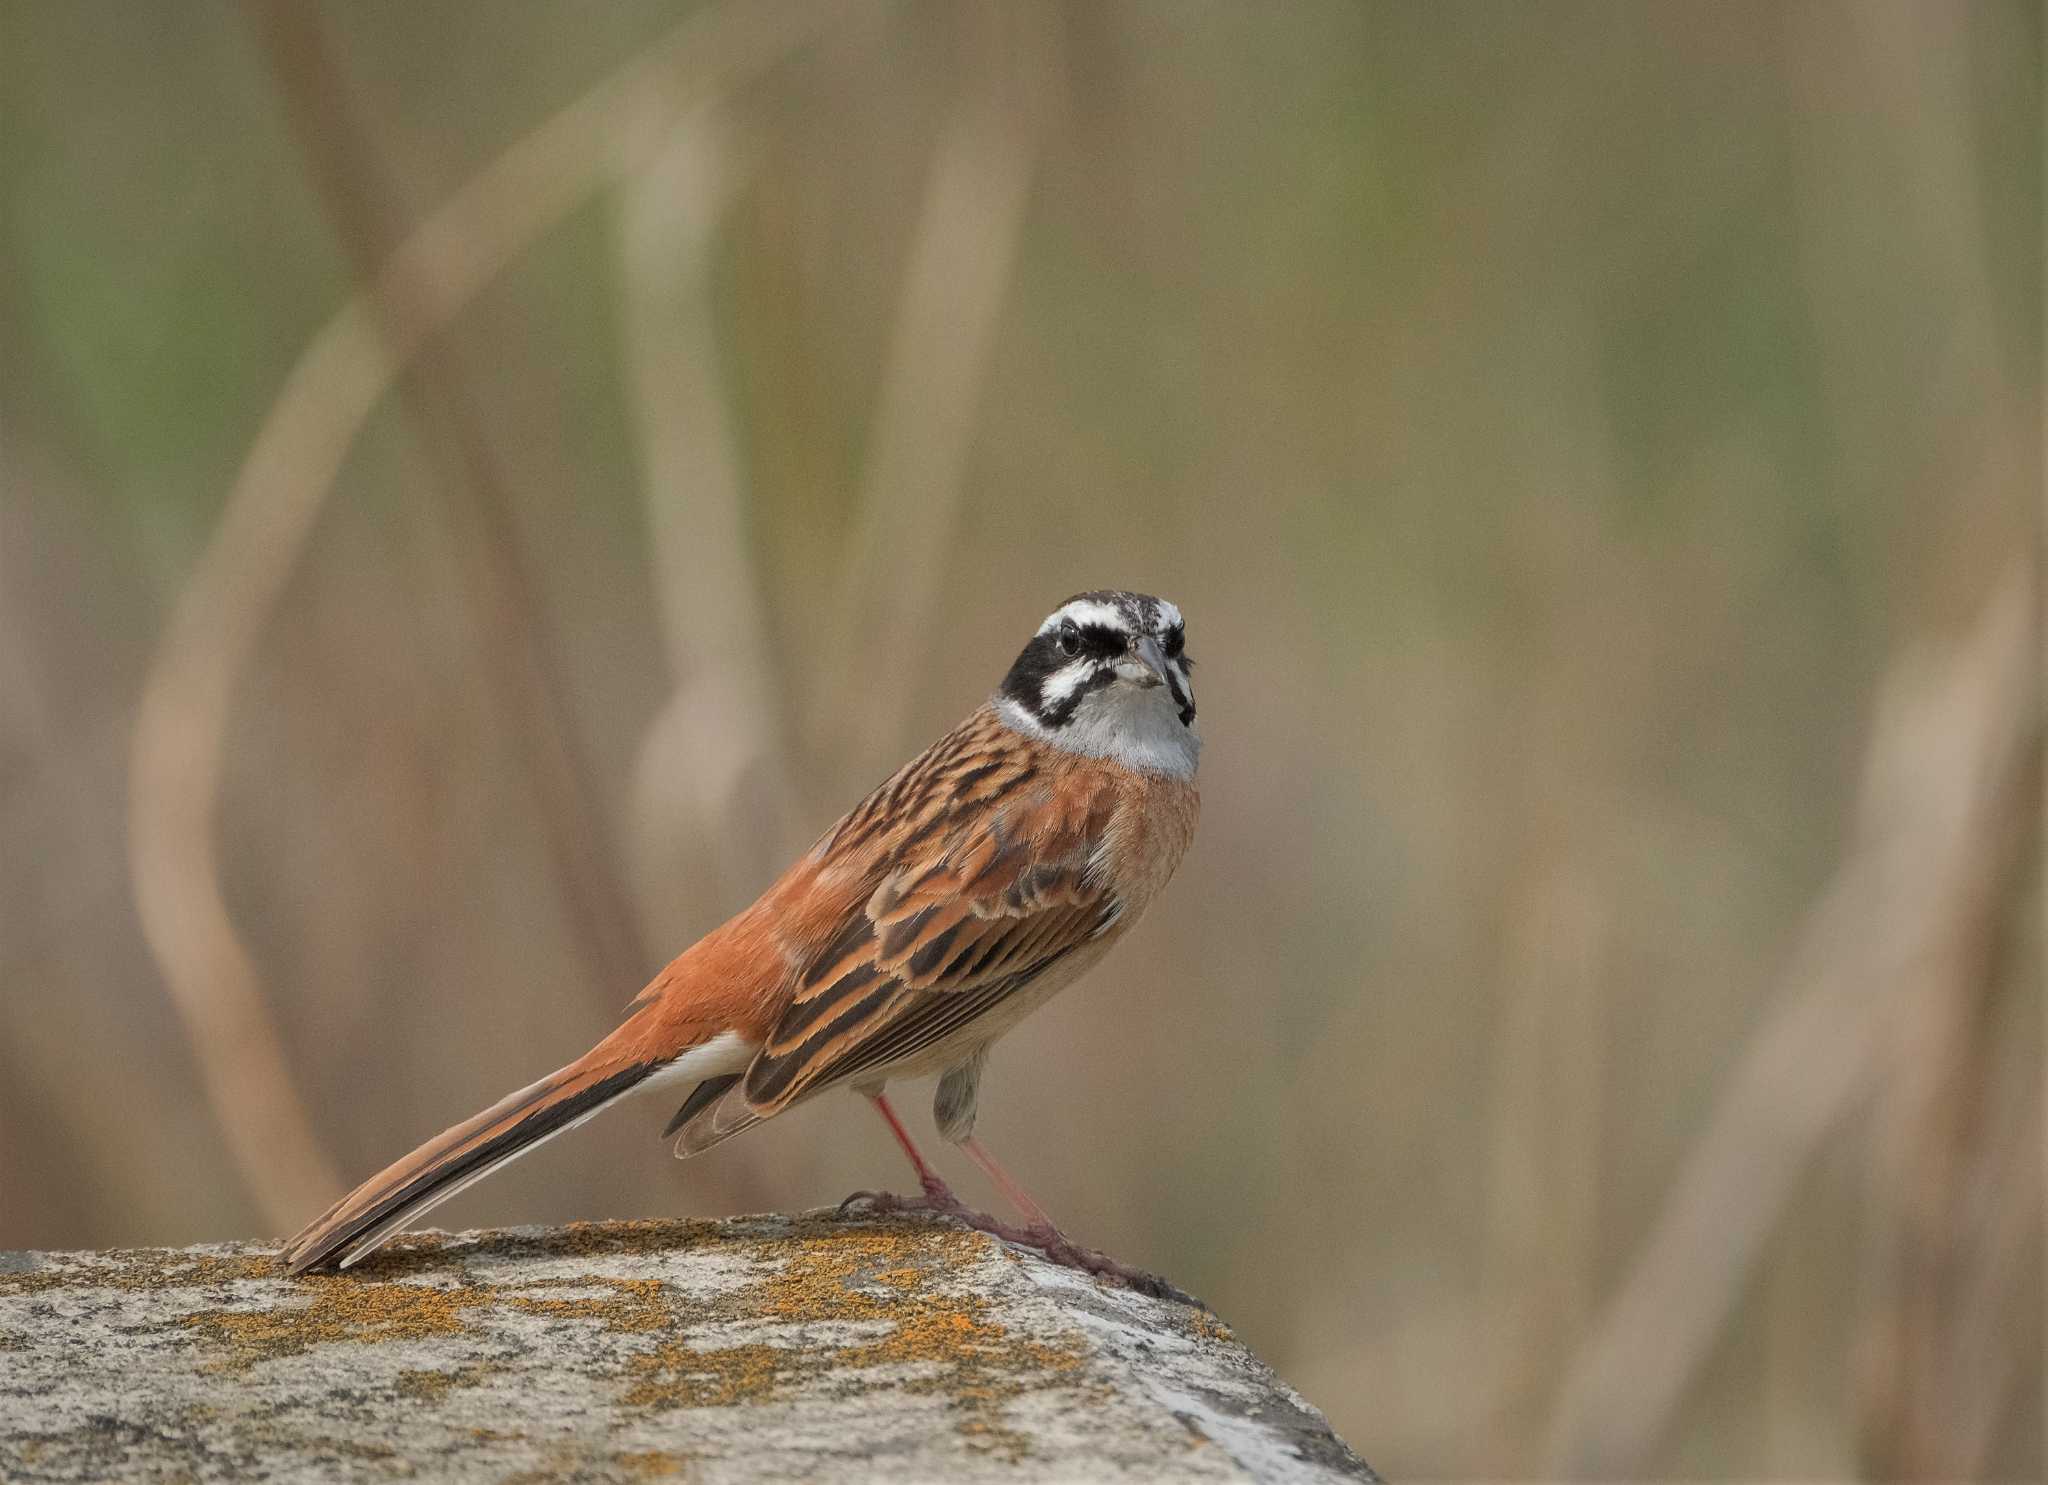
{"x":407,"y":1190}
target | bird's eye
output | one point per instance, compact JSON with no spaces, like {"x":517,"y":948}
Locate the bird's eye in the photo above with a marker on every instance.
{"x":1176,"y":640}
{"x":1070,"y":638}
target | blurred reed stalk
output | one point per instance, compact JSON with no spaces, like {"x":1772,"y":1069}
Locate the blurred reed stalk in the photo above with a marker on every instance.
{"x":962,"y":254}
{"x":1952,"y":1189}
{"x":1939,"y":835}
{"x":1952,"y":1182}
{"x":510,"y":623}
{"x":220,"y":616}
{"x":1543,"y":1186}
{"x":713,"y":768}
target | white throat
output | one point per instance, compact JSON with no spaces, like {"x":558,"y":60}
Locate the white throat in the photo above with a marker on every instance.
{"x":1139,"y":729}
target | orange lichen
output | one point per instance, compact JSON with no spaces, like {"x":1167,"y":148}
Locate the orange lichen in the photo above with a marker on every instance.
{"x":132,"y":1270}
{"x":676,"y":1376}
{"x":652,"y":1464}
{"x":913,"y":1331}
{"x":342,"y":1309}
{"x":432,"y":1386}
{"x":946,"y":1345}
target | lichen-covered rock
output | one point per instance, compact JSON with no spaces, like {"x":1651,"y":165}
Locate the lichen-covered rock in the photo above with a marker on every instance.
{"x":754,"y":1349}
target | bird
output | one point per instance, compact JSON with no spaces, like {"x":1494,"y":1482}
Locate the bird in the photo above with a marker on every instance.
{"x":977,"y":881}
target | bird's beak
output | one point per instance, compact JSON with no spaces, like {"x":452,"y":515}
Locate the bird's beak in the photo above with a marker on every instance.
{"x":1145,"y":664}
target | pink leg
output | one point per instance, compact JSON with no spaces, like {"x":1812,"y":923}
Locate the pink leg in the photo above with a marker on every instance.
{"x":1006,"y":1183}
{"x":936,"y":1191}
{"x":1040,"y":1234}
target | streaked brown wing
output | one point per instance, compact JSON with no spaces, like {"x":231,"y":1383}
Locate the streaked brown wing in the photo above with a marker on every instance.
{"x":981,"y":902}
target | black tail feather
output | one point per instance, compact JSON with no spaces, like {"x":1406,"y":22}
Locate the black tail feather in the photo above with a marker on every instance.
{"x":398,"y":1196}
{"x":700,"y":1097}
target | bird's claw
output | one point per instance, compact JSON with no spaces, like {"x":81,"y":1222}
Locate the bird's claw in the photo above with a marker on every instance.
{"x":880,"y":1201}
{"x":938,"y":1197}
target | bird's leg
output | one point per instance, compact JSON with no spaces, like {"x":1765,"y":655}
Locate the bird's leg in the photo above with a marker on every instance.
{"x":1006,"y":1183}
{"x":1040,"y":1233}
{"x":938,"y":1196}
{"x":936,"y":1191}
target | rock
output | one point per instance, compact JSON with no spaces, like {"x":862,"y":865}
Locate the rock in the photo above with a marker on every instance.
{"x":771,"y":1348}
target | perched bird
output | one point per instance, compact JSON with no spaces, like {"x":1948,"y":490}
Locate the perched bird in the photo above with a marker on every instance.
{"x":979,"y":880}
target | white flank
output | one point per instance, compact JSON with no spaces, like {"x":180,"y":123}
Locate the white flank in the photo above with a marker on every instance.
{"x":728,"y":1052}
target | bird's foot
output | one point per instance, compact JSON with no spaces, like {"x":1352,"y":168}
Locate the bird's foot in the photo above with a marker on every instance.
{"x":938,"y":1197}
{"x":1063,"y":1250}
{"x":1041,"y":1236}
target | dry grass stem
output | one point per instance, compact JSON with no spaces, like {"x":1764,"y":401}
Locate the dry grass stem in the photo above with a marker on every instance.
{"x":509,"y":623}
{"x":713,"y":764}
{"x":1543,"y":1176}
{"x":954,"y":286}
{"x":1940,"y":1185}
{"x":220,"y":615}
{"x":1949,"y":754}
{"x":1978,"y":1362}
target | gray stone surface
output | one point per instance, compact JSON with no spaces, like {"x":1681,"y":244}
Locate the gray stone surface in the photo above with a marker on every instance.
{"x":755,"y":1349}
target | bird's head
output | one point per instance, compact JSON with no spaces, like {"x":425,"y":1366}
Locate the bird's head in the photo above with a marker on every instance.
{"x":1107,"y":674}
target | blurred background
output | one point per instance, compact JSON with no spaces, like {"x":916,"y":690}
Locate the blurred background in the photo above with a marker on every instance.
{"x":482,"y":488}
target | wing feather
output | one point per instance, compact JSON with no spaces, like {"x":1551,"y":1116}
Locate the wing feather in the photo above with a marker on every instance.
{"x":987,"y":887}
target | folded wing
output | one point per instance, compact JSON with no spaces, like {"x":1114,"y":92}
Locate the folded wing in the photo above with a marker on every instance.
{"x":974,"y":906}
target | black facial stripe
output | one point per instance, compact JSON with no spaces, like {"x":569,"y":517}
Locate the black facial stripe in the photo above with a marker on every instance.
{"x":1025,"y":684}
{"x":1061,"y":712}
{"x":1181,"y":697}
{"x":1100,"y":639}
{"x":1042,"y":659}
